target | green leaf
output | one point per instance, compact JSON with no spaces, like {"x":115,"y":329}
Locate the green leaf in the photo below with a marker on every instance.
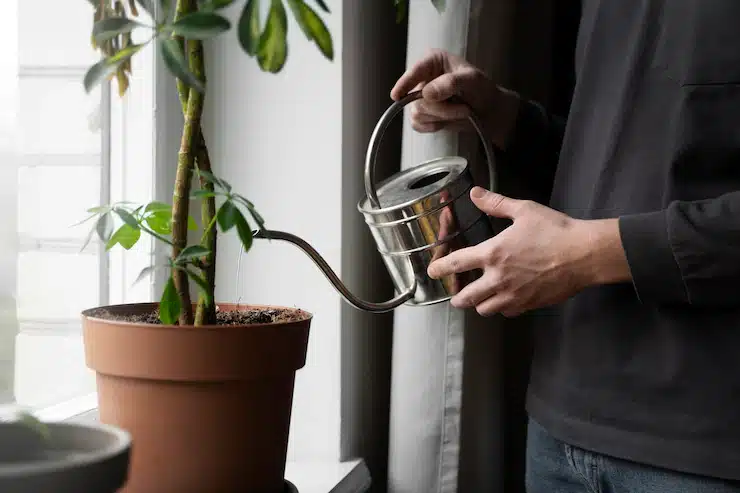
{"x":252,"y":210}
{"x":191,"y":253}
{"x":165,"y":8}
{"x":202,"y":194}
{"x":226,"y":216}
{"x":146,"y":5}
{"x":439,"y":5}
{"x":176,"y":63}
{"x":273,"y":47}
{"x":158,"y":216}
{"x":169,"y":304}
{"x":158,"y":207}
{"x":106,"y":29}
{"x":192,"y":225}
{"x":87,"y":239}
{"x":200,"y":281}
{"x":104,"y":227}
{"x":244,"y":231}
{"x":219,"y":182}
{"x":78,"y":223}
{"x":146,"y":271}
{"x":211,"y":5}
{"x":323,"y":6}
{"x":108,"y":66}
{"x":37,"y":426}
{"x":126,"y":236}
{"x":159,"y":225}
{"x":402,"y":7}
{"x":248,"y":30}
{"x":201,"y":25}
{"x":313,"y":27}
{"x":97,"y":210}
{"x":127,"y":217}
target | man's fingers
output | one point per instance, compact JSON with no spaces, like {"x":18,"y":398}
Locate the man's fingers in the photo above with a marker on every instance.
{"x":442,"y":111}
{"x":460,"y":82}
{"x":425,"y":70}
{"x":426,"y":120}
{"x":456,"y":262}
{"x":474,"y":293}
{"x":495,"y":204}
{"x":499,"y":303}
{"x":427,"y":128}
{"x":442,"y":88}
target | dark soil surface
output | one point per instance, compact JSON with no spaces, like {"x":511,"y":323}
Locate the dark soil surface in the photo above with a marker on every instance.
{"x":240,"y":317}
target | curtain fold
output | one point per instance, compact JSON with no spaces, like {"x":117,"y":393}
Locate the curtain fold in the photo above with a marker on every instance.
{"x":428,"y":343}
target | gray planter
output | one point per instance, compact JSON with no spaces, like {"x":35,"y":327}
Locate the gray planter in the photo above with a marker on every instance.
{"x":76,"y":458}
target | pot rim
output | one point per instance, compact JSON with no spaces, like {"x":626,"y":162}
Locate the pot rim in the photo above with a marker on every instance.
{"x":77,"y":459}
{"x":87,"y":315}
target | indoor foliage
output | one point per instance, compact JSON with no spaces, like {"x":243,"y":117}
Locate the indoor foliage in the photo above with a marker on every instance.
{"x":178,"y":28}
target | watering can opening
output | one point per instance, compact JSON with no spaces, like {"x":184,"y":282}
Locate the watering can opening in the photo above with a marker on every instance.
{"x":425,"y":181}
{"x":415,"y":217}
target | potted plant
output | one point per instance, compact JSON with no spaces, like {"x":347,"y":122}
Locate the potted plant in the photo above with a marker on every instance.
{"x":51,"y":457}
{"x":205,"y":389}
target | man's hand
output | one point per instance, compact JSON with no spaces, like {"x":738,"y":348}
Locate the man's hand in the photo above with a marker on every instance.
{"x":442,"y":75}
{"x":542,"y":259}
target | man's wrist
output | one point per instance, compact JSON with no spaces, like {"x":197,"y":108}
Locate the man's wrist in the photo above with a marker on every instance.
{"x":606,"y":261}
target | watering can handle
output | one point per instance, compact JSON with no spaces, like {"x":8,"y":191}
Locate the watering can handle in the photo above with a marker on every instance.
{"x":384,"y":123}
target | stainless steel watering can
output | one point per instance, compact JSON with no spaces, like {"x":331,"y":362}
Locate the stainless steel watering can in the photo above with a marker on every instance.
{"x":416,"y":216}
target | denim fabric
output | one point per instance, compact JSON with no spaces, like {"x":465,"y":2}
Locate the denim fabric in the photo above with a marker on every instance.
{"x":556,"y":467}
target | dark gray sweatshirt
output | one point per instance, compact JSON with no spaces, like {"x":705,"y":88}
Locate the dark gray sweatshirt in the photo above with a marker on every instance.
{"x":647,"y":371}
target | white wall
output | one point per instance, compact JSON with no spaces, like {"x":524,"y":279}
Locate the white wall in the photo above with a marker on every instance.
{"x":278,"y":140}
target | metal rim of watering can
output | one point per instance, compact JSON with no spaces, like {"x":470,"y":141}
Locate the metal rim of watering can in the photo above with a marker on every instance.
{"x":384,"y":123}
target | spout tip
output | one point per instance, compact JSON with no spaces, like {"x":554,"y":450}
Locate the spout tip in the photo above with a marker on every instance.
{"x":261,"y":234}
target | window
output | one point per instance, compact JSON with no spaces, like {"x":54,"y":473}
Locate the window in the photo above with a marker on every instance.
{"x":70,"y":148}
{"x":60,"y":172}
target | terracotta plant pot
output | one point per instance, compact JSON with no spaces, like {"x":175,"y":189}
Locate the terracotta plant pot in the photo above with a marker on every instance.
{"x":208,"y":407}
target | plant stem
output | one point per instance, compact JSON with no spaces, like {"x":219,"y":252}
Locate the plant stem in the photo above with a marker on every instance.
{"x":185,"y":159}
{"x":206,"y":310}
{"x":206,"y":313}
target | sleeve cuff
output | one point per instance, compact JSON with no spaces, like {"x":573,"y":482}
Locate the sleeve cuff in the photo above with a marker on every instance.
{"x":656,"y":275}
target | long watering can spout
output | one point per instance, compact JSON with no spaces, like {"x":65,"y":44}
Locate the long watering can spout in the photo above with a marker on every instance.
{"x":325,"y":269}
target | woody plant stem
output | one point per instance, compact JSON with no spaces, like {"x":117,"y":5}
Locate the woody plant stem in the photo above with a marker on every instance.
{"x":192,"y":150}
{"x":206,"y":310}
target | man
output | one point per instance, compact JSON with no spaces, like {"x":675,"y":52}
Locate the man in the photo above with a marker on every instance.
{"x":635,"y":383}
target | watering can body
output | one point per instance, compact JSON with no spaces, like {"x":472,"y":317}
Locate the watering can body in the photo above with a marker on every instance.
{"x":425,"y":214}
{"x":415,"y":216}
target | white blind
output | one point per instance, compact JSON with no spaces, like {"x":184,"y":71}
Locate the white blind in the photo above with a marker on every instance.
{"x":60,"y":171}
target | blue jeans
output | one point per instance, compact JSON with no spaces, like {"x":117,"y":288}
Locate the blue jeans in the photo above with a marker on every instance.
{"x":556,"y":467}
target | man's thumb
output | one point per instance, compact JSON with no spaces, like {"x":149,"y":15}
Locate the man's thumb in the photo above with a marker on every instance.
{"x":494,"y":204}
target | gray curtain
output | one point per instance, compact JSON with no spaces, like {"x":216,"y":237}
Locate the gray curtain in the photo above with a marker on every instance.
{"x":457,"y":419}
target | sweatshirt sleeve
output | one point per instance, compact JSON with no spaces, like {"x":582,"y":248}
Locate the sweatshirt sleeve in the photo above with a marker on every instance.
{"x":533,"y":150}
{"x":688,"y":253}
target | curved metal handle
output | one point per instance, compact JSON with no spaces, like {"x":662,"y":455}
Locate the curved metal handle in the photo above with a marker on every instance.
{"x":324,"y":267}
{"x":384,"y":123}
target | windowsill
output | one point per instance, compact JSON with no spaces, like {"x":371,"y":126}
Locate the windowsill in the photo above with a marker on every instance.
{"x":308,"y":476}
